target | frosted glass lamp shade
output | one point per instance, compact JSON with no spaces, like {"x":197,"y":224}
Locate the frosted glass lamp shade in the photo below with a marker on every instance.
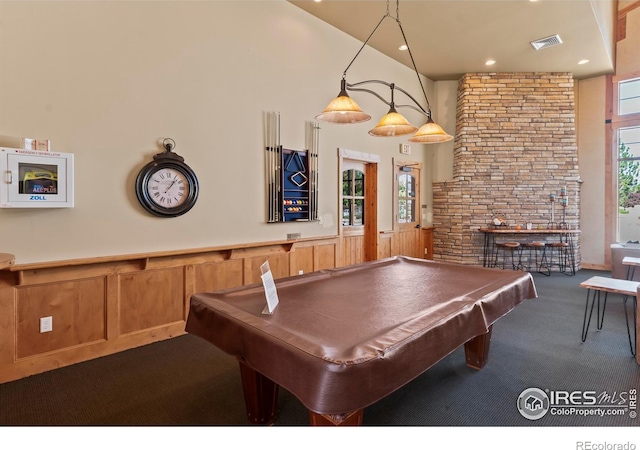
{"x":343,"y":110}
{"x":431,"y":132}
{"x":393,"y":124}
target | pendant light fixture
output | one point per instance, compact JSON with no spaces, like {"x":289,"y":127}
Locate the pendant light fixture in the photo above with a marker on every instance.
{"x":344,"y":110}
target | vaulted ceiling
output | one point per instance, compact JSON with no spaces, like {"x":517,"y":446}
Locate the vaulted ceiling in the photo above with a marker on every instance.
{"x":450,"y":37}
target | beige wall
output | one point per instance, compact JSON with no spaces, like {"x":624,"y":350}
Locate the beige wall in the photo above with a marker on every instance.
{"x":591,"y":163}
{"x":106,"y":80}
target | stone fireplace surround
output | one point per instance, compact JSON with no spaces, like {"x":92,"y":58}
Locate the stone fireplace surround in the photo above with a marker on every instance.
{"x":515,"y":145}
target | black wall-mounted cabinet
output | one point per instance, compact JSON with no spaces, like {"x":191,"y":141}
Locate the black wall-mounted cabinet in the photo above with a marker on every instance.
{"x":294,"y":198}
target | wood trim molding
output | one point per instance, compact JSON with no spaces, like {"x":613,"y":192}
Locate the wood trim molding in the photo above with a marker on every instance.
{"x":626,"y":10}
{"x":144,"y":258}
{"x":359,"y":156}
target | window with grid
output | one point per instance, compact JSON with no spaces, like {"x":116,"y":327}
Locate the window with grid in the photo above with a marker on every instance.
{"x":627,"y":135}
{"x":352,"y":197}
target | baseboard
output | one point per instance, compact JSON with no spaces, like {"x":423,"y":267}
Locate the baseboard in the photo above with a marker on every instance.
{"x":595,"y":266}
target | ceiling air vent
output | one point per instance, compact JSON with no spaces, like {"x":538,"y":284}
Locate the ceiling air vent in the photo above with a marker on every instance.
{"x":547,"y":42}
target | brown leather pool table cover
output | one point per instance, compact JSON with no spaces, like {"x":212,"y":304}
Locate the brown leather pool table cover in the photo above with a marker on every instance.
{"x":342,"y":339}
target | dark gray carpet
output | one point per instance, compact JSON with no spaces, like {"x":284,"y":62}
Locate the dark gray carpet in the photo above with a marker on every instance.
{"x":187,"y":381}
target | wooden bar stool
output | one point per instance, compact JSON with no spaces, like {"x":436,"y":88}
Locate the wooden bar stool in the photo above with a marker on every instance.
{"x":558,"y":254}
{"x":510,"y":250}
{"x":536,"y":254}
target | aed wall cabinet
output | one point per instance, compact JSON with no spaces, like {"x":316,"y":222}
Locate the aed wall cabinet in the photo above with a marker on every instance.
{"x":33,"y":179}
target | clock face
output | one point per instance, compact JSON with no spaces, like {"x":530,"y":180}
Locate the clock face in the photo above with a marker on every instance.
{"x":168,"y":187}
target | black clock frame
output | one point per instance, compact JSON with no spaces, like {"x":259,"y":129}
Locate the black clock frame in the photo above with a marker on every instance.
{"x":166,"y":160}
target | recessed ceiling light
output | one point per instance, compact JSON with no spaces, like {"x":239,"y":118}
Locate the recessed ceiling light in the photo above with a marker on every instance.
{"x":490,"y":62}
{"x":583,"y":61}
{"x":403,"y":47}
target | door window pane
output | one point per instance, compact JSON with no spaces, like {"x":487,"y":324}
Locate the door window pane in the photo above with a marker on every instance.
{"x":358,"y":212}
{"x":346,"y":212}
{"x":402,"y":211}
{"x":411,"y":210}
{"x":352,"y":197}
{"x":359,"y":184}
{"x":347,"y":184}
{"x":406,"y":198}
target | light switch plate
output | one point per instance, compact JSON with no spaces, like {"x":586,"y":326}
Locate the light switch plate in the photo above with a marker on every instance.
{"x":405,"y":149}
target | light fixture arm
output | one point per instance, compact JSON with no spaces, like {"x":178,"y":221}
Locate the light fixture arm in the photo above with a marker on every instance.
{"x":415,"y":69}
{"x":344,"y":74}
{"x":393,"y":86}
{"x":351,"y":86}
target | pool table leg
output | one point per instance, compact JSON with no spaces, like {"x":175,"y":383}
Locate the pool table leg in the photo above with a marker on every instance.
{"x":260,"y":395}
{"x":353,"y":418}
{"x":476,"y":350}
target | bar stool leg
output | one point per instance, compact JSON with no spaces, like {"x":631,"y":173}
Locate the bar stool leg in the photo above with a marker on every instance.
{"x":544,"y":263}
{"x":520,"y":265}
{"x":494,"y":257}
{"x":513,"y":252}
{"x":529,"y":250}
{"x":571,"y":260}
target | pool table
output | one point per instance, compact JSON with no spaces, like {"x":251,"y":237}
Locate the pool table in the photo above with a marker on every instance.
{"x":342,"y":339}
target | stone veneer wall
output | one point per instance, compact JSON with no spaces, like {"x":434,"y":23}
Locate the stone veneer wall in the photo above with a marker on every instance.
{"x":515,"y":144}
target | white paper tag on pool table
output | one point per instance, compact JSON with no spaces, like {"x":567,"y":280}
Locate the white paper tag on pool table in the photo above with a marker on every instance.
{"x":269,"y":288}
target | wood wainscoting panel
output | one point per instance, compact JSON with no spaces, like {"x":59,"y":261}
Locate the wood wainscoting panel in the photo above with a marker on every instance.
{"x":352,"y":250}
{"x":301,"y":259}
{"x":77,"y":309}
{"x":7,"y":325}
{"x":218,"y":275}
{"x":279,"y":264}
{"x":427,"y":242}
{"x":325,"y":256}
{"x":385,"y":244}
{"x":108,"y":304}
{"x":409,"y":243}
{"x":151,"y":298}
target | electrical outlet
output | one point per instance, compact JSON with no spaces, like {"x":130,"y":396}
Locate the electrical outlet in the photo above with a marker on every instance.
{"x":291,"y":236}
{"x":300,"y":272}
{"x":46,"y":324}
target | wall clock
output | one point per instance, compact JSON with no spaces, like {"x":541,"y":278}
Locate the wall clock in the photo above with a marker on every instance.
{"x":167,"y":186}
